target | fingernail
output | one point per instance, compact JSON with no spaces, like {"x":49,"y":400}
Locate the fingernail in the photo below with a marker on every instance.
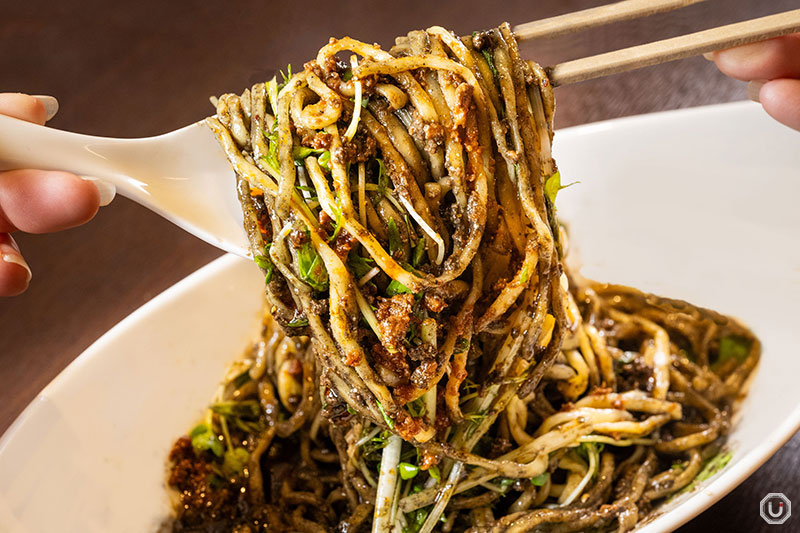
{"x":50,"y":105}
{"x":754,"y":90}
{"x":709,"y":56}
{"x":107,"y":190}
{"x":9,"y":254}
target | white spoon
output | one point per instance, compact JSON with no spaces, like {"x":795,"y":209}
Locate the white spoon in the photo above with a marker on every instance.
{"x":182,"y":175}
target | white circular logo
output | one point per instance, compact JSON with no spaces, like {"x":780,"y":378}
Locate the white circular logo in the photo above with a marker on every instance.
{"x":775,"y":508}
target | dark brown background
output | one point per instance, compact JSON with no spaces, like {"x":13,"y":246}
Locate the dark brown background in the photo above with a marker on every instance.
{"x":141,"y":68}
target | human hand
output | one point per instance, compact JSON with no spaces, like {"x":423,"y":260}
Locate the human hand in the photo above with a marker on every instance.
{"x":773,"y":69}
{"x":38,"y":201}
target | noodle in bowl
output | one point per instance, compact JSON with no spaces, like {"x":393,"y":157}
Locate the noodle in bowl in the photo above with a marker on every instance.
{"x":427,"y":362}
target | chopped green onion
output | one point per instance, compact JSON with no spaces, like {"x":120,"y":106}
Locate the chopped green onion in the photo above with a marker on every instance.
{"x":298,"y":323}
{"x":434,"y":473}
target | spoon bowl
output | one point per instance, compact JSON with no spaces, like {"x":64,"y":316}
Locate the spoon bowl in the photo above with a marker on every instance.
{"x":182,"y":175}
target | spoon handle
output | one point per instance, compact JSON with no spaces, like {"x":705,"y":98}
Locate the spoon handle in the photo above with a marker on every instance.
{"x":27,"y":145}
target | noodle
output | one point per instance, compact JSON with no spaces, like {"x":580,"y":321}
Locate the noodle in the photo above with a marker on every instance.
{"x":426,"y":362}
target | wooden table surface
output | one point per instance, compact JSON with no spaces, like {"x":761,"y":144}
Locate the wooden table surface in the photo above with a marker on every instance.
{"x":131,"y":69}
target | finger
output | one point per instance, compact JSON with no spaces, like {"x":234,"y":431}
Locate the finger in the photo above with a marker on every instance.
{"x":781,"y":99}
{"x":39,"y":201}
{"x":14,"y":271}
{"x":23,"y":107}
{"x":767,"y":60}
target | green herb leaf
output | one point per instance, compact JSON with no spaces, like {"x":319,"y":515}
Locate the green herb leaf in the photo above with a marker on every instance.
{"x":714,"y":465}
{"x":311,"y":268}
{"x":325,"y":160}
{"x":265,"y":263}
{"x":199,"y":429}
{"x":733,"y":347}
{"x":383,"y":179}
{"x":348,"y":74}
{"x":359,"y":265}
{"x":351,"y":410}
{"x":415,"y":519}
{"x":234,"y":462}
{"x":337,"y":222}
{"x":435,"y":474}
{"x":540,"y":480}
{"x":523,"y":276}
{"x":203,"y":438}
{"x":395,"y":287}
{"x":417,"y":407}
{"x":490,"y":60}
{"x":506,"y":482}
{"x":553,"y":185}
{"x":407,"y":470}
{"x":419,"y":253}
{"x":243,"y":409}
{"x":395,"y":243}
{"x":301,"y":152}
{"x":710,"y":467}
{"x":389,"y":421}
{"x":286,"y":77}
{"x":298,"y":323}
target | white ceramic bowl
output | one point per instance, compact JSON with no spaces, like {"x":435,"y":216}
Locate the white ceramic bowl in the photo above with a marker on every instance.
{"x":696,"y":204}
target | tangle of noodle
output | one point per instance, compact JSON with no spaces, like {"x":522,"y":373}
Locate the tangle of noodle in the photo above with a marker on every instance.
{"x":426,"y":361}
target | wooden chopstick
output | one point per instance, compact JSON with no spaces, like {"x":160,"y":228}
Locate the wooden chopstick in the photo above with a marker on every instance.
{"x":596,"y":16}
{"x":645,"y":55}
